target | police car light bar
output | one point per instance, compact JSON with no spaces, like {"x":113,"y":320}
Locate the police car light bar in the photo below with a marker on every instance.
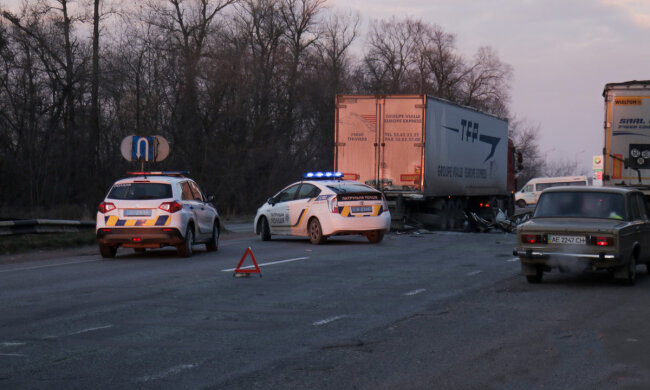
{"x":160,"y":173}
{"x":322,"y":175}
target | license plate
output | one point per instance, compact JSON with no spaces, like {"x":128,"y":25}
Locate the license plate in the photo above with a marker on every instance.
{"x":569,"y":240}
{"x":362,"y":209}
{"x":137,"y":212}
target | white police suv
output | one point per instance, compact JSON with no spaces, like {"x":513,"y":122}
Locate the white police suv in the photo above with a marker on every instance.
{"x":156,"y":209}
{"x":322,"y":205}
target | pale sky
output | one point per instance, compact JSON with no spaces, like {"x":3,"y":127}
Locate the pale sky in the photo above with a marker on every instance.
{"x":563,"y":52}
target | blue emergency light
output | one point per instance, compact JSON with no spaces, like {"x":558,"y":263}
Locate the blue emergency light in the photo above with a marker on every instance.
{"x":160,"y":173}
{"x":322,"y":175}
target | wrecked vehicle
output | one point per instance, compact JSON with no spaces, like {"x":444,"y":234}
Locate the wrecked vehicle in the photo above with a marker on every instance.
{"x":586,"y":228}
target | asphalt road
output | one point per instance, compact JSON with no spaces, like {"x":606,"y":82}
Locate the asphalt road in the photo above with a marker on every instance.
{"x":417,"y":311}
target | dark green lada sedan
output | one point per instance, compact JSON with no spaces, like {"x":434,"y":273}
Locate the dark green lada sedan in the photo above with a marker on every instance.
{"x":586,"y":228}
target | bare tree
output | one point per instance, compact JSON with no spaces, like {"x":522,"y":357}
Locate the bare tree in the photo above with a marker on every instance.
{"x":525,"y":136}
{"x":486,"y":83}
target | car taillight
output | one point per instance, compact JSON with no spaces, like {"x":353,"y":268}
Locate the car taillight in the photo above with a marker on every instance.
{"x":170,"y":207}
{"x":105,"y":207}
{"x":334,"y":205}
{"x":602,"y":241}
{"x":384,"y":202}
{"x":532,"y":239}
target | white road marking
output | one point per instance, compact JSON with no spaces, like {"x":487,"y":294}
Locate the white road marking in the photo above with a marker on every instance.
{"x":12,"y":344}
{"x":12,"y":354}
{"x":474,"y":273}
{"x":415,"y":292}
{"x":264,"y":264}
{"x":90,"y":330}
{"x":513,"y":260}
{"x":168,"y":372}
{"x":328,"y":320}
{"x":48,"y":266}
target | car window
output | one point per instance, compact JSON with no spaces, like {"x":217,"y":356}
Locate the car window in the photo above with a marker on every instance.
{"x":640,"y":200}
{"x":186,"y":191}
{"x":528,"y":188}
{"x":581,"y":204}
{"x":196,"y":192}
{"x":635,"y":213}
{"x":308,"y":191}
{"x":288,"y":194}
{"x":123,"y":191}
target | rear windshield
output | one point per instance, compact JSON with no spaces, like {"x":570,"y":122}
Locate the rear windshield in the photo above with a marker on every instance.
{"x":141,"y":191}
{"x":350,"y":188}
{"x":581,"y":204}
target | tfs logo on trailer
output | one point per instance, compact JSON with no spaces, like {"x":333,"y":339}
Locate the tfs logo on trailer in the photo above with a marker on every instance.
{"x":469,"y":132}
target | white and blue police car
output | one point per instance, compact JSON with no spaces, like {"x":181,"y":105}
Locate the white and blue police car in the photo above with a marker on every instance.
{"x":322,"y":204}
{"x":156,"y":209}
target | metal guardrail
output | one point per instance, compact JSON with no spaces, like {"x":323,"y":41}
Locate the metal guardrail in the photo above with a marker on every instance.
{"x":30,"y":226}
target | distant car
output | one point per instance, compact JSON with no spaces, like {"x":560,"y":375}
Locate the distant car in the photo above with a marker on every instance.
{"x":323,"y":205}
{"x":586,"y":228}
{"x":529,"y":194}
{"x":156,"y":209}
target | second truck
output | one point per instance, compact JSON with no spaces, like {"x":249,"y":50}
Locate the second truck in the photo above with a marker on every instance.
{"x":435,"y":161}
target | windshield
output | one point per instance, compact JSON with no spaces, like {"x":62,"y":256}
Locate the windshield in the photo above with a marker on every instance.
{"x":580,"y":204}
{"x":140,"y":191}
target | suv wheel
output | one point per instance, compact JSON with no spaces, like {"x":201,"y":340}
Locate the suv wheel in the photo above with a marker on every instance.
{"x":213,"y":244}
{"x":185,"y":249}
{"x":107,"y":251}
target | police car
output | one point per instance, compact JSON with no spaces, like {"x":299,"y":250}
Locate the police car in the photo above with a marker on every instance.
{"x":156,"y":209}
{"x":322,"y":205}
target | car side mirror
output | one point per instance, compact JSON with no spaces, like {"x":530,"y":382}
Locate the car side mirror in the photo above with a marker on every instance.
{"x":271,"y":201}
{"x":210,"y":198}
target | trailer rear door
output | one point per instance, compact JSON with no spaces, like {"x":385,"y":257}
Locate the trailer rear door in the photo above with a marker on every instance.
{"x":379,"y":140}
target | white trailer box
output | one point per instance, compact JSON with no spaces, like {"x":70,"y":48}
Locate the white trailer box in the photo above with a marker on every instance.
{"x":421,"y":145}
{"x":627,"y":135}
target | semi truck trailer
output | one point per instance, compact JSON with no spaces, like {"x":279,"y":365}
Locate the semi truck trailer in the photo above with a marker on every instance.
{"x":435,"y":161}
{"x":627,"y":135}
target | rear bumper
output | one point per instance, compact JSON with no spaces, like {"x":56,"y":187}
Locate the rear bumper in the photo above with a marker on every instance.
{"x":338,"y":224}
{"x":552,"y":259}
{"x":140,"y":237}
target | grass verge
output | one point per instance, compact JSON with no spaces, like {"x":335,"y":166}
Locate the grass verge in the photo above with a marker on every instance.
{"x":32,"y":242}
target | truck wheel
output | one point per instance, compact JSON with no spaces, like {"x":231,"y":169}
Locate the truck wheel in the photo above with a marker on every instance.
{"x":213,"y":244}
{"x":375,"y":236}
{"x":185,"y":249}
{"x":521,"y":203}
{"x":265,"y":231}
{"x":537,"y":278}
{"x":316,"y":232}
{"x":107,"y":251}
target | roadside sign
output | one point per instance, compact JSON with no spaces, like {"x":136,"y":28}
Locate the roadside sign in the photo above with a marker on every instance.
{"x":144,"y":148}
{"x":598,"y":171}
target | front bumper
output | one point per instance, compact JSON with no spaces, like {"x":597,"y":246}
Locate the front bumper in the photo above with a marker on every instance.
{"x":140,"y":237}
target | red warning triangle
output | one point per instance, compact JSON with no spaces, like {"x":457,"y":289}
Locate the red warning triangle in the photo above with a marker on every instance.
{"x":248,"y":270}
